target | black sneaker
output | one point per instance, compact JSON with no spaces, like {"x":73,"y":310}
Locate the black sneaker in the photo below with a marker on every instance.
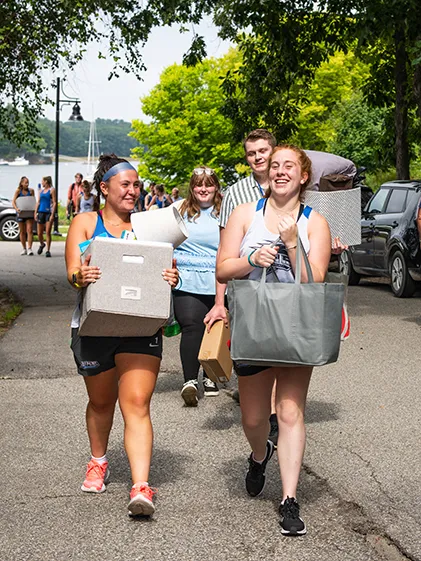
{"x":41,"y":247}
{"x":273,"y":433}
{"x":210,"y":388}
{"x":47,"y":254}
{"x":256,"y":475}
{"x":291,"y":523}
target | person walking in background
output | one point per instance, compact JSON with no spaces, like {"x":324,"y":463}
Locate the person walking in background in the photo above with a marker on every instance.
{"x":150,"y":195}
{"x":258,"y":146}
{"x":114,"y":368}
{"x":73,"y":193}
{"x":25,"y":224}
{"x":44,"y":214}
{"x":247,"y":248}
{"x":86,"y":201}
{"x":160,"y":199}
{"x":196,"y":258}
{"x":140,"y":203}
{"x":175,"y":195}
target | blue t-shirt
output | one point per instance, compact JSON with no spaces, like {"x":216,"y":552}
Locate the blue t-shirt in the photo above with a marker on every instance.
{"x":196,"y":257}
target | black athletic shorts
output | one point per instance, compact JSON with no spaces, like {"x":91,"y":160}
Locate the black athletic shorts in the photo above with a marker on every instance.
{"x":25,"y":218}
{"x":248,"y":370}
{"x":94,"y":355}
{"x":43,"y":217}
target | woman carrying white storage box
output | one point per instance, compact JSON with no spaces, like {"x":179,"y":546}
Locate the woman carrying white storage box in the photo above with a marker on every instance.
{"x":114,"y":368}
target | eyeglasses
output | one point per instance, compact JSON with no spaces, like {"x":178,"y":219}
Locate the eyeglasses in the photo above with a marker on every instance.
{"x":201,"y":171}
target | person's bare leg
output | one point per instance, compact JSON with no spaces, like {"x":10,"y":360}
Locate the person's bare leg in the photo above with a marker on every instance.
{"x":138,"y":375}
{"x":22,"y":234}
{"x":255,"y":392}
{"x":291,"y":394}
{"x":103,"y":392}
{"x":40,"y":231}
{"x":29,"y":232}
{"x":48,"y":228}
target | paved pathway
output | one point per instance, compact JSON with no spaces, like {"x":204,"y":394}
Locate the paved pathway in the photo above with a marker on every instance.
{"x":360,"y":484}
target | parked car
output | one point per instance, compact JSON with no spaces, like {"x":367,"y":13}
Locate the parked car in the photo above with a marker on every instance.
{"x":9,"y":227}
{"x":390,"y":245}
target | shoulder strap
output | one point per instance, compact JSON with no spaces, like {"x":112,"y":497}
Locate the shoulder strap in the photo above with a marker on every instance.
{"x":307,"y":211}
{"x":260,"y":204}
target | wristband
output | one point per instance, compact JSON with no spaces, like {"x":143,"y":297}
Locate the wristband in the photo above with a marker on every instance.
{"x":251,"y":262}
{"x":74,"y":279}
{"x":291,"y":246}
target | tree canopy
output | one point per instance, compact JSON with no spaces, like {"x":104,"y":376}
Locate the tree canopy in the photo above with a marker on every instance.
{"x":187,"y":128}
{"x":282,"y":45}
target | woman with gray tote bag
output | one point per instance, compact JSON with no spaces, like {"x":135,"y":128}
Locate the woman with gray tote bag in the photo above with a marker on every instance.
{"x":247,"y":247}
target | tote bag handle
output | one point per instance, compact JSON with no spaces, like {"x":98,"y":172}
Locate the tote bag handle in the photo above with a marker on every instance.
{"x":300,"y":252}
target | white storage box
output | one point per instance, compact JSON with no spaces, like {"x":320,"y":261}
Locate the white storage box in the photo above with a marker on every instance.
{"x":26,"y":205}
{"x":131,"y":299}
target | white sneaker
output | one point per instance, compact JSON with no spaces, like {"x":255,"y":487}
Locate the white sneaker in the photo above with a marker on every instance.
{"x":23,"y":252}
{"x":30,"y":252}
{"x":189,"y":393}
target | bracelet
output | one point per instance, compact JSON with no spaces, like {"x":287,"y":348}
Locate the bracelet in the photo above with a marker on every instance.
{"x":251,"y":262}
{"x":179,"y":284}
{"x":291,"y":247}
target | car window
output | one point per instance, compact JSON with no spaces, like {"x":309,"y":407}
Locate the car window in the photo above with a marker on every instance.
{"x":397,"y":201}
{"x":377,"y":202}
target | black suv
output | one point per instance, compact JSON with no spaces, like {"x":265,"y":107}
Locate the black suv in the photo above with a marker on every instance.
{"x":9,"y":227}
{"x":390,"y":243}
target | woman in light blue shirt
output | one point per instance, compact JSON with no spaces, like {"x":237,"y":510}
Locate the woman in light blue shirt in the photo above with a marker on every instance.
{"x":196,"y":259}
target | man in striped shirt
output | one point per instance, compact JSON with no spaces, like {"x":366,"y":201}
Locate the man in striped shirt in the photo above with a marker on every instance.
{"x":258,"y":147}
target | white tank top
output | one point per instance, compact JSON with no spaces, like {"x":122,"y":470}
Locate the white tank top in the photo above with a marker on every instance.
{"x":258,"y":235}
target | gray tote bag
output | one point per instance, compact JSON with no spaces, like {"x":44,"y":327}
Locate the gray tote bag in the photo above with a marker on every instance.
{"x":281,"y":324}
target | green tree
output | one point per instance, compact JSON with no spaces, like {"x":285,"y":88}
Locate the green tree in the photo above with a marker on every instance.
{"x":37,"y":35}
{"x":186,"y":127}
{"x":335,"y":82}
{"x":360,"y":134}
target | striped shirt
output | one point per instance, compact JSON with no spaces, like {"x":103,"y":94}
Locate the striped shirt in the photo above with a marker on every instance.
{"x":246,"y":190}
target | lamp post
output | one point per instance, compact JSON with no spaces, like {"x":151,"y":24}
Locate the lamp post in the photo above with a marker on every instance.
{"x":75,"y":116}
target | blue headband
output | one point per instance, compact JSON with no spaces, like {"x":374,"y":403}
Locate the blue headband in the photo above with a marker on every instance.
{"x":117,"y":169}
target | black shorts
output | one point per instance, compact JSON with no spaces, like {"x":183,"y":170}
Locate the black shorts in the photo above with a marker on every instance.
{"x":43,"y":217}
{"x":25,"y":218}
{"x":242,"y":369}
{"x":94,"y":355}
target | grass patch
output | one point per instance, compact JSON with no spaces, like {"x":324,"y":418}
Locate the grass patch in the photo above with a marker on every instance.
{"x":10,"y":308}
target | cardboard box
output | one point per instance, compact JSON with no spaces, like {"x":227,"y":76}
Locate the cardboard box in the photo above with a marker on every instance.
{"x":214,"y":353}
{"x":27,"y":206}
{"x":131,"y":299}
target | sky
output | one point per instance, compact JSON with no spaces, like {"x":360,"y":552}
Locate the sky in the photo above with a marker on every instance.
{"x":119,"y":98}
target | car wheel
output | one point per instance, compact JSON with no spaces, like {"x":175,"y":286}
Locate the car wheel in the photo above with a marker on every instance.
{"x":346,"y":268}
{"x":9,"y":229}
{"x":403,"y":286}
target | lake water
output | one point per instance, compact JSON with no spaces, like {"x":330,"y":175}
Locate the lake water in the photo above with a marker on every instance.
{"x":10,"y":177}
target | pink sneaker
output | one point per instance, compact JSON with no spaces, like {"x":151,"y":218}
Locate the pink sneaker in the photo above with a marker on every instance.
{"x":141,"y":500}
{"x":97,"y":476}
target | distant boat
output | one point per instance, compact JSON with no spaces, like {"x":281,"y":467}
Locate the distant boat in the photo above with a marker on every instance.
{"x":19,"y":161}
{"x":93,"y":152}
{"x":4,"y":163}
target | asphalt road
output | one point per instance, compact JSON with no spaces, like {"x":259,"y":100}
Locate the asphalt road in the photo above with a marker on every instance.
{"x":360,"y":484}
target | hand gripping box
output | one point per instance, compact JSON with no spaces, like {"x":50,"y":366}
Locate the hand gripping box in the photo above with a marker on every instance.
{"x":131,"y":299}
{"x":214,"y":353}
{"x":26,"y":205}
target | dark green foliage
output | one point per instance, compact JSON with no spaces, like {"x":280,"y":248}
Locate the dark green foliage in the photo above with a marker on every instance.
{"x":74,"y":136}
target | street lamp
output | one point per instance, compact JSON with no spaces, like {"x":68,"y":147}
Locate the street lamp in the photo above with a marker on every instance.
{"x":75,"y":116}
